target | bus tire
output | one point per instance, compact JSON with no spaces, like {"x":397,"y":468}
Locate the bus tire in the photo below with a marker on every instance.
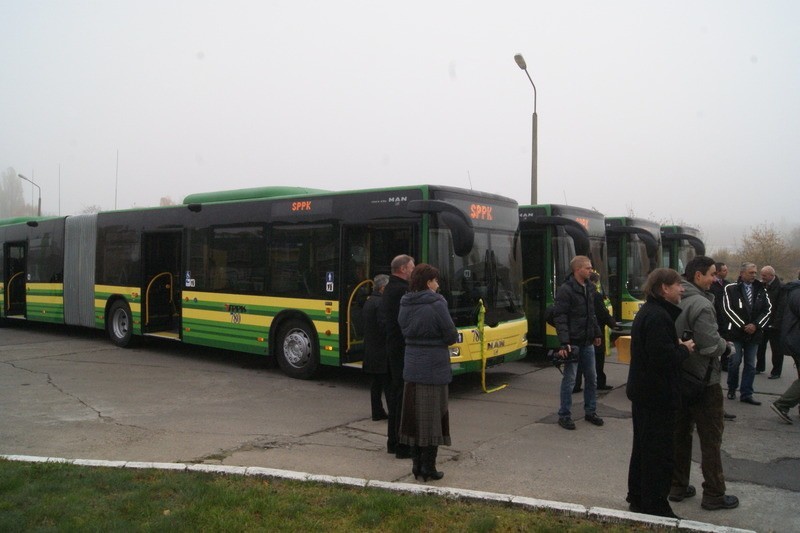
{"x":120,"y":324}
{"x":296,"y":351}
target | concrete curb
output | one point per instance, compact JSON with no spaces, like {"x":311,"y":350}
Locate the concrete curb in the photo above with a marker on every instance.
{"x":594,"y":513}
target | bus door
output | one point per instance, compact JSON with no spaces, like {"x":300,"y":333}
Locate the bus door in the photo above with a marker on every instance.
{"x":535,"y":282}
{"x":15,"y":256}
{"x":366,"y":252}
{"x":161,"y":293}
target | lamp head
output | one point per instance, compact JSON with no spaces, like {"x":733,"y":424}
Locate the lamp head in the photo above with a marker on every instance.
{"x":520,"y":61}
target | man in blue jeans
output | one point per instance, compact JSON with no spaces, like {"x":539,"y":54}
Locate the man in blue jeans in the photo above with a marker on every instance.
{"x":748,"y":308}
{"x":577,"y":328}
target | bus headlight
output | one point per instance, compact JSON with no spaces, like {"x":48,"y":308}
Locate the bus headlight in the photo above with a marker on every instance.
{"x":455,"y":351}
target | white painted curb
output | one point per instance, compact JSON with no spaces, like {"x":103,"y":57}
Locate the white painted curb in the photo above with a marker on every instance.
{"x":595,"y":513}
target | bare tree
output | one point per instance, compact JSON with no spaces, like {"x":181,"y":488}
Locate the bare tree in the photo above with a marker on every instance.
{"x":12,"y":202}
{"x":765,"y":246}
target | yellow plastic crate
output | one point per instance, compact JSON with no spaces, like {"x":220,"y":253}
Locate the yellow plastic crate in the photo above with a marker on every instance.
{"x":623,"y":345}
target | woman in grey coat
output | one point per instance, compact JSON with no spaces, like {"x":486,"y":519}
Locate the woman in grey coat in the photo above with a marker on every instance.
{"x":428,"y":331}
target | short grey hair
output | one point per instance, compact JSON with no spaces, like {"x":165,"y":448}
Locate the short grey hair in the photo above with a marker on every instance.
{"x":746,"y":265}
{"x":380,"y":281}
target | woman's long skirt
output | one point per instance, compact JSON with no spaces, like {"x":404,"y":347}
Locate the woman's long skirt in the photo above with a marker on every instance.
{"x":425,"y":419}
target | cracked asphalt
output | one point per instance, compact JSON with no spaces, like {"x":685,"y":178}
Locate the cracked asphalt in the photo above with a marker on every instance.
{"x":70,"y":393}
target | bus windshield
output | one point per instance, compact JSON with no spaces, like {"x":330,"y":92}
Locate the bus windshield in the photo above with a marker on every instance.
{"x":638,"y":267}
{"x":490,"y":272}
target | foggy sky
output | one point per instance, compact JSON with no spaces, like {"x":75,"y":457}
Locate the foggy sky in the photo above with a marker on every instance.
{"x":682,"y":111}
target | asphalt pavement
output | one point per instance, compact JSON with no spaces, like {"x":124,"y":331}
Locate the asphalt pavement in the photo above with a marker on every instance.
{"x":70,"y":393}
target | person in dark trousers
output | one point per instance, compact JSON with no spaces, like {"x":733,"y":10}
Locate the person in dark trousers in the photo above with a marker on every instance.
{"x":375,"y":362}
{"x":718,"y":290}
{"x":429,"y":331}
{"x":578,"y":331}
{"x":748,"y":308}
{"x":790,"y":333}
{"x":653,"y":389}
{"x":772,"y":333}
{"x":706,"y":412}
{"x":604,"y":318}
{"x":402,"y":266}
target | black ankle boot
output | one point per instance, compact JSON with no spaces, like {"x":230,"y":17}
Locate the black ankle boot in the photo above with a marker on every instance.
{"x":416,"y":462}
{"x":428,"y":461}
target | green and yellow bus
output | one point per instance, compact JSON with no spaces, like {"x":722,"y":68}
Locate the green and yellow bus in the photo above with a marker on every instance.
{"x":551,"y":235}
{"x":634,"y":250}
{"x":279,"y":271}
{"x":679,"y":244}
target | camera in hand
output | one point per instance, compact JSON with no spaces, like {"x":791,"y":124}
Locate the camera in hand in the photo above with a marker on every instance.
{"x":687,"y":335}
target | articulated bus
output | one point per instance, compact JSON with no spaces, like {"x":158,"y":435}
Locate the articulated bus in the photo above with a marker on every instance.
{"x":634,"y":250}
{"x":551,"y":236}
{"x":679,"y":244}
{"x":279,"y":271}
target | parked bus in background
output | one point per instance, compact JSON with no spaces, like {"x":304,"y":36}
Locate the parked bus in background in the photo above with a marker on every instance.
{"x":679,"y":244}
{"x":551,"y":236}
{"x":278,"y":271}
{"x":634,"y":250}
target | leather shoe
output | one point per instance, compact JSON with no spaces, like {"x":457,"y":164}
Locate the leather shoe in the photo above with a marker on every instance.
{"x":774,"y":376}
{"x":576,"y":390}
{"x":566,"y":423}
{"x":731,"y":395}
{"x":726,"y":502}
{"x":728,"y":416}
{"x":751,"y":401}
{"x":594,"y":419}
{"x":604,"y":387}
{"x":380,"y":416}
{"x":688,"y":492}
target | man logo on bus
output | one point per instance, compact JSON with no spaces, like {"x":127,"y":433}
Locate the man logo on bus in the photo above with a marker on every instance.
{"x":398,"y":199}
{"x":480,"y":212}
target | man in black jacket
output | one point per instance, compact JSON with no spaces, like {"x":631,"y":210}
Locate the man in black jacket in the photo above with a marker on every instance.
{"x":402,"y":266}
{"x":718,"y":290}
{"x":772,"y":333}
{"x":748,"y":308}
{"x":577,"y":328}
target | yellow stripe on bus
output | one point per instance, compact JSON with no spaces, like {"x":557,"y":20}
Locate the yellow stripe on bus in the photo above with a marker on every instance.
{"x":45,"y":286}
{"x":44,"y":299}
{"x":266,"y":301}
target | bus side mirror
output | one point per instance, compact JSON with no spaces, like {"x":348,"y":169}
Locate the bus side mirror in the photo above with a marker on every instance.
{"x":457,"y":222}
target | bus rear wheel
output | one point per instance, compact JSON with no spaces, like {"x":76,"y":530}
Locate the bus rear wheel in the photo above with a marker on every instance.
{"x":120,"y":324}
{"x":297,"y":353}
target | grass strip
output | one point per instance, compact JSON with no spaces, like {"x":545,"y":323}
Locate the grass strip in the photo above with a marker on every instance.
{"x":63,"y":497}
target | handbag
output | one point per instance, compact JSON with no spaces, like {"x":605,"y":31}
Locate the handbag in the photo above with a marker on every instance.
{"x":692,"y":387}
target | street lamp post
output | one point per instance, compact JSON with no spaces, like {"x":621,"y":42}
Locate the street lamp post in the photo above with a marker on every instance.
{"x":534,"y":149}
{"x":39,"y":211}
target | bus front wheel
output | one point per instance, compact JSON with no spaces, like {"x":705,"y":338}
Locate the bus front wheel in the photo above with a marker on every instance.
{"x":120,"y":323}
{"x":296,"y":351}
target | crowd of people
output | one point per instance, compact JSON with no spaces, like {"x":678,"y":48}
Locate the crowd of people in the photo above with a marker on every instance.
{"x":692,"y":327}
{"x":687,"y":333}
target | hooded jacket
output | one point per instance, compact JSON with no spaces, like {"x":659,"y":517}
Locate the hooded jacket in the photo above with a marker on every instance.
{"x":699,"y":316}
{"x":428,"y":331}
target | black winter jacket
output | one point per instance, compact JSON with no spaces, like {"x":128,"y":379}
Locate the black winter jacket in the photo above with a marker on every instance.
{"x":390,"y":308}
{"x":374,"y":336}
{"x":573,"y":313}
{"x":656,"y":356}
{"x":740,"y":312}
{"x":428,"y":331}
{"x":791,"y":319}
